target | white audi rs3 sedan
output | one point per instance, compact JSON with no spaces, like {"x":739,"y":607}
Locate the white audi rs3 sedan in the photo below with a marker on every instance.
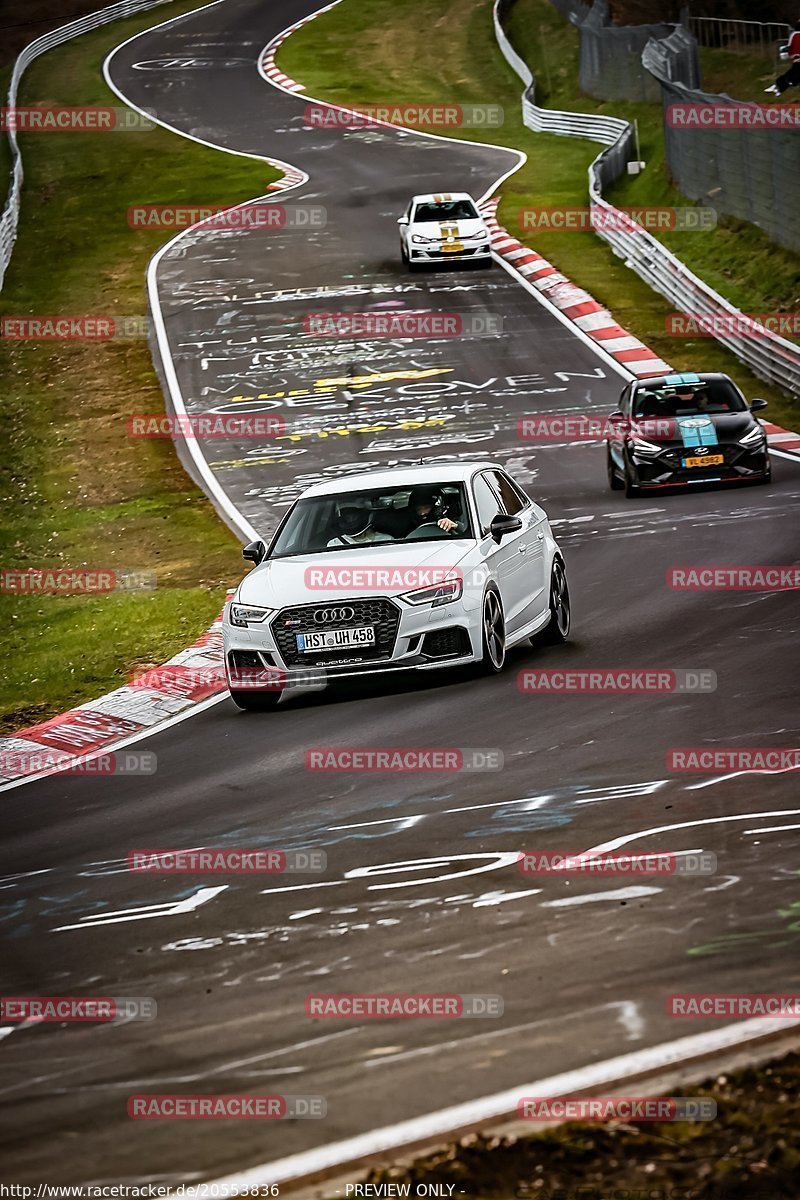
{"x":444,"y":228}
{"x":417,"y":567}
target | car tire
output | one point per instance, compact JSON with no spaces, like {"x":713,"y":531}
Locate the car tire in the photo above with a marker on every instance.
{"x":764,"y":479}
{"x":631,"y":488}
{"x":404,"y":254}
{"x":614,"y":481}
{"x":557,"y":629}
{"x":493,"y":633}
{"x":256,"y":702}
{"x":488,"y":263}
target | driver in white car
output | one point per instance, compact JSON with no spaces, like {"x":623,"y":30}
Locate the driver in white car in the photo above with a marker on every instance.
{"x":426,"y":506}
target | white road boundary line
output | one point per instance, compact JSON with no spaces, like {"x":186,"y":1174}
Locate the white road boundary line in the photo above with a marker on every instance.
{"x":198,"y":707}
{"x":273,"y":44}
{"x":448,"y":1123}
{"x":216,"y":493}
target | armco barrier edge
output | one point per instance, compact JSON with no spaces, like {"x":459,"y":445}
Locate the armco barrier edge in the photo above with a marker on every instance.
{"x":771,"y":357}
{"x":10,"y":215}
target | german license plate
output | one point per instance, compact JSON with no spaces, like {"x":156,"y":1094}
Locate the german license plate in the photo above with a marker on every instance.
{"x":452,"y":247}
{"x":710,"y":460}
{"x":335,"y":639}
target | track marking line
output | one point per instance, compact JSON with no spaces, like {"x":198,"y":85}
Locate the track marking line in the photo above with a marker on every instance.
{"x":472,"y":1114}
{"x":626,"y":893}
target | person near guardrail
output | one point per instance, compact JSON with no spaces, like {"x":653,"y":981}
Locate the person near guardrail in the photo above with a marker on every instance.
{"x":790,"y":78}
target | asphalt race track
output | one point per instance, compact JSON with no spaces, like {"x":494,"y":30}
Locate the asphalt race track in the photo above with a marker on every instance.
{"x":584,"y":965}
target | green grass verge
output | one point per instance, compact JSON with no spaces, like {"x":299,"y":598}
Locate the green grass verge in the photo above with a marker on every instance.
{"x":448,"y":53}
{"x":742,"y":74}
{"x":78,"y":492}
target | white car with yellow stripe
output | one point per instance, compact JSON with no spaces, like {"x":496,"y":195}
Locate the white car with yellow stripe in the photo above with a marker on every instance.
{"x":444,"y":227}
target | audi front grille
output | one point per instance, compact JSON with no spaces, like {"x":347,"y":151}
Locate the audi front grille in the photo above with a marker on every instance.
{"x":380,"y":613}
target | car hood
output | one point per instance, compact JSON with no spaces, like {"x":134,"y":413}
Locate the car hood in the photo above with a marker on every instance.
{"x":692,"y":432}
{"x":443,"y":229}
{"x":306,"y":578}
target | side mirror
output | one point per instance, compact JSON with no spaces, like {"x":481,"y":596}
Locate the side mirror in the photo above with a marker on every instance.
{"x":402,"y":220}
{"x":616,"y":418}
{"x":255,"y":552}
{"x":503,"y":524}
{"x":755,"y":405}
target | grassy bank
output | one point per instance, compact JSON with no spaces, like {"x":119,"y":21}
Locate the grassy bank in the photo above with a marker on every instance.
{"x":737,"y":259}
{"x":741,"y":73}
{"x":78,"y":492}
{"x":749,"y":1152}
{"x":448,"y":53}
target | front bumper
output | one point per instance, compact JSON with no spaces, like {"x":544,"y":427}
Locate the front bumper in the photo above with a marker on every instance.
{"x":265,"y":657}
{"x":738,"y":466}
{"x":434,"y":254}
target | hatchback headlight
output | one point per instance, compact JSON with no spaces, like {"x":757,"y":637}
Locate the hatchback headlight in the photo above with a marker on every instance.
{"x":756,"y":437}
{"x":646,"y":449}
{"x":417,"y":237}
{"x":243,"y":615}
{"x":437,"y":594}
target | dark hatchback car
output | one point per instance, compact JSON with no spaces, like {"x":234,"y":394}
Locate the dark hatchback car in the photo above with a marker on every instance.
{"x":679,"y":430}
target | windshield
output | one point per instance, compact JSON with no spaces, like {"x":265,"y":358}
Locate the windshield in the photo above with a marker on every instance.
{"x":688,"y":399}
{"x":448,"y":210}
{"x":347,"y":520}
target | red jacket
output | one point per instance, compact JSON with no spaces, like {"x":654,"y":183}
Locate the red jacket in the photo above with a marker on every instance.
{"x":794,"y":45}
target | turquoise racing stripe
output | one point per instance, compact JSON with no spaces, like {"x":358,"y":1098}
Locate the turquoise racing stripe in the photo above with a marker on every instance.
{"x":697,"y":431}
{"x":688,"y":378}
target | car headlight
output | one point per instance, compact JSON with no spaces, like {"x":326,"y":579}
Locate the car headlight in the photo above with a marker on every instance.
{"x":647,"y":449}
{"x":243,"y":615}
{"x":481,"y":236}
{"x":756,"y":437}
{"x":417,"y":237}
{"x":439,"y":593}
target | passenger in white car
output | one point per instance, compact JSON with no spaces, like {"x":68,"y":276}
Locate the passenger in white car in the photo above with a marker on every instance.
{"x":354,"y":528}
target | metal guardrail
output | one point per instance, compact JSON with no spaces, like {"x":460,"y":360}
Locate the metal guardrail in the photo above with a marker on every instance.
{"x":745,"y":172}
{"x":770,"y":357}
{"x":610,"y":59}
{"x":719,"y":33}
{"x":9,"y":219}
{"x":574,"y":10}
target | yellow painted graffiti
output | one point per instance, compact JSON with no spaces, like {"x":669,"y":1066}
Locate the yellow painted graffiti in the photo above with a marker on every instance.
{"x":382,"y":377}
{"x":332,"y":432}
{"x":328,"y":386}
{"x":231,"y":464}
{"x":347,"y":430}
